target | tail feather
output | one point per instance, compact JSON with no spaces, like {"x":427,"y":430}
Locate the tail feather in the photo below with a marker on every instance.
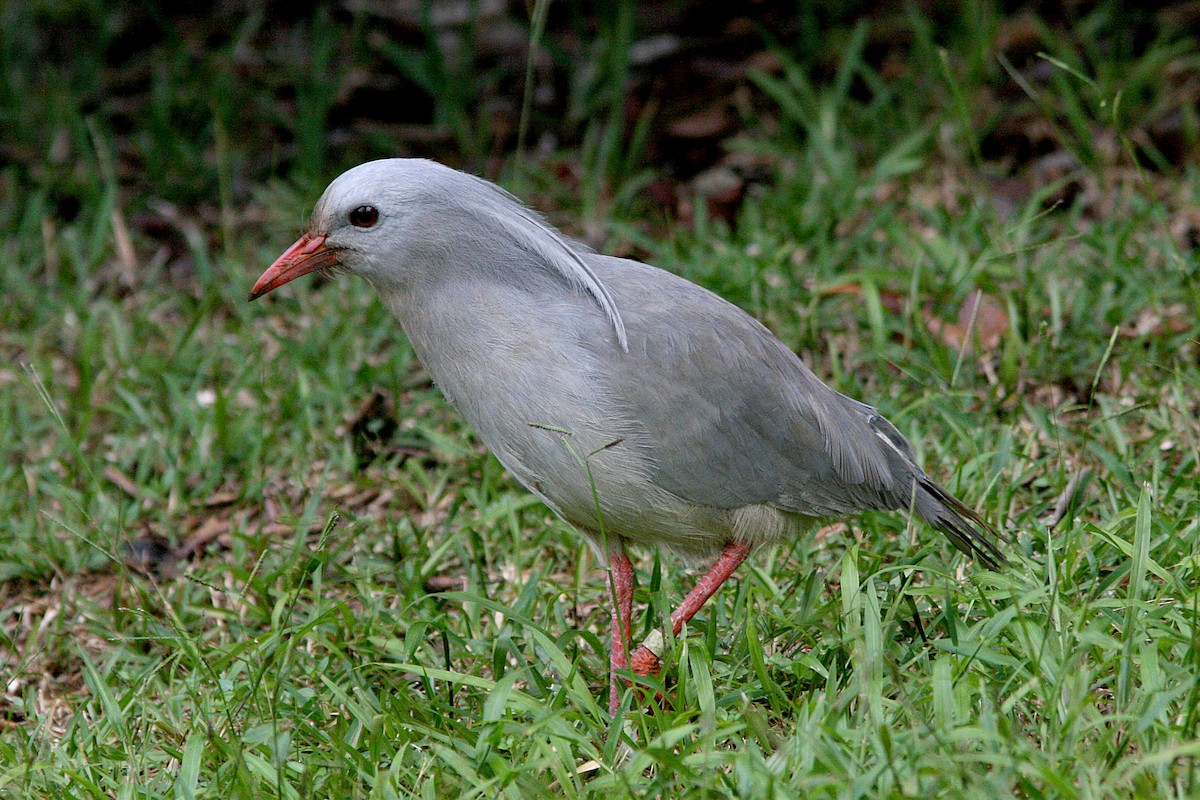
{"x":961,"y":524}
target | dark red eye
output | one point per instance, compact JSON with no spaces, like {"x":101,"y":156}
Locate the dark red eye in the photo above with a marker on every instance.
{"x":364,"y":216}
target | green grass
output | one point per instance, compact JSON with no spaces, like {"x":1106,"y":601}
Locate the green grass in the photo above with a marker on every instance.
{"x":408,"y":622}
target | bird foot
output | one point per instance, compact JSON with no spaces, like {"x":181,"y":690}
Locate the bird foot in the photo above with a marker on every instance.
{"x":647,"y":659}
{"x":644,"y":662}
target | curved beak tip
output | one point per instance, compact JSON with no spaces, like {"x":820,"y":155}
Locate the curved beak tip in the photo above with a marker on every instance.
{"x":308,"y":254}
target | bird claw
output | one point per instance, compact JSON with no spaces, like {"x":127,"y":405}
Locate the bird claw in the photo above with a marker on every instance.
{"x":644,"y":662}
{"x":647,"y":659}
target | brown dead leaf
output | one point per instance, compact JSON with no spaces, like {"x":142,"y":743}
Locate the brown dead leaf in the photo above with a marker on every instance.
{"x":445,"y":583}
{"x":207,"y":532}
{"x":222,"y":497}
{"x":839,"y":288}
{"x":891,"y":300}
{"x":1175,"y":318}
{"x":707,"y":124}
{"x":982,"y":319}
{"x":123,"y":481}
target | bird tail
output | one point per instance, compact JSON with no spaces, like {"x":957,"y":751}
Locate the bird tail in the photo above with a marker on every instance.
{"x":960,"y":523}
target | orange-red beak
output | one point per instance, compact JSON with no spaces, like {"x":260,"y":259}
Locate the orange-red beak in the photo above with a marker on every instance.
{"x":307,"y":255}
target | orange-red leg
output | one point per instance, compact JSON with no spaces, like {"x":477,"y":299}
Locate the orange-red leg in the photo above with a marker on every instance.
{"x":620,"y":583}
{"x":645,"y":660}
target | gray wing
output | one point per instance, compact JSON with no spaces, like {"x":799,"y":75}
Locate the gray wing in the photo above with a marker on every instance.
{"x":735,"y":418}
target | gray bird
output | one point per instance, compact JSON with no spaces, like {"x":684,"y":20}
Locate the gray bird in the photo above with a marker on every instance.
{"x":637,"y":405}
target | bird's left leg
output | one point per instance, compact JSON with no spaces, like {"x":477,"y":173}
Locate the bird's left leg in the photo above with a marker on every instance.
{"x":647,"y":659}
{"x":620,"y":584}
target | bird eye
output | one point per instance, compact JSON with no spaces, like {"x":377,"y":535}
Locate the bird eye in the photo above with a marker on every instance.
{"x":364,"y":216}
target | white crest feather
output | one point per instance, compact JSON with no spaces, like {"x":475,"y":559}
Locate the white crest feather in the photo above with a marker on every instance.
{"x":541,"y":239}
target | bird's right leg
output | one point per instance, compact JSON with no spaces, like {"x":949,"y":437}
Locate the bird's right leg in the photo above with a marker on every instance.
{"x":620,"y":584}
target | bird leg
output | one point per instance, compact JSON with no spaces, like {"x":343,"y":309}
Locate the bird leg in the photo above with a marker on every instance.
{"x":620,"y":584}
{"x":647,"y":659}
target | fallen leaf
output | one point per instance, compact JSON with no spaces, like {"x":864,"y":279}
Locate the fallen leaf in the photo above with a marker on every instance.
{"x":982,"y":319}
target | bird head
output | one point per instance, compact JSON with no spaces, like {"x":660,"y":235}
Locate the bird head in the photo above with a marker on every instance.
{"x":400,"y":221}
{"x":366,"y":213}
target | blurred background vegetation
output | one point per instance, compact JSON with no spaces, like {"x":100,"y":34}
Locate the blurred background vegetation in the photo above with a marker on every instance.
{"x":202,"y":105}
